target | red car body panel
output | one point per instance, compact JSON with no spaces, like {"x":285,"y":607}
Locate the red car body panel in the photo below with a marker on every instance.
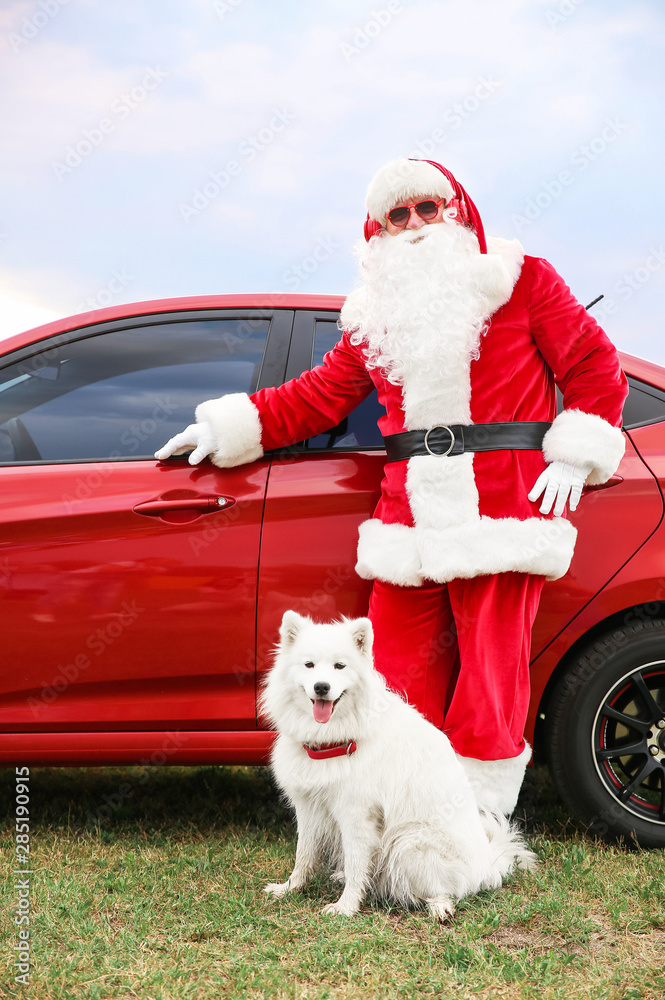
{"x":103,"y":592}
{"x":147,"y":748}
{"x":616,"y":544}
{"x":316,"y":536}
{"x":140,"y":614}
{"x":631,"y":510}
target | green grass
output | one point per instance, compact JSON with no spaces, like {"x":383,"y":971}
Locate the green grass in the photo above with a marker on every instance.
{"x":163,"y":899}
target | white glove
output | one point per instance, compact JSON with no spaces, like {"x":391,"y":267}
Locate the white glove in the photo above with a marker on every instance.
{"x":560,"y":482}
{"x":199,"y":436}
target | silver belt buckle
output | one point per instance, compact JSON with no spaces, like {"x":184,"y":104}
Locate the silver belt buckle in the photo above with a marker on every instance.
{"x":439,"y":454}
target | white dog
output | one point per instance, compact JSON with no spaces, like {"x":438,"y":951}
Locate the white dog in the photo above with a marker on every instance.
{"x":377,"y":789}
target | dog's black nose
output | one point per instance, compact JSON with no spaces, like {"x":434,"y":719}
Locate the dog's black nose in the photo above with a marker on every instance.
{"x":321,"y":689}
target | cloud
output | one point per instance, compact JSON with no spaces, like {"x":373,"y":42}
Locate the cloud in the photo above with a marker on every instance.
{"x":412,"y":83}
{"x":18,"y":315}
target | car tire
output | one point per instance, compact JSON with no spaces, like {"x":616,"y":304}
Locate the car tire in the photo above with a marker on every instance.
{"x":605,"y":735}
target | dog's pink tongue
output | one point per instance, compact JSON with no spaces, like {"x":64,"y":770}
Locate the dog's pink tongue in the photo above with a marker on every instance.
{"x":322,"y":710}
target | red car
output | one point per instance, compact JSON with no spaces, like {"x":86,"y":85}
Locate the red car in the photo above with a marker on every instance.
{"x":141,"y":599}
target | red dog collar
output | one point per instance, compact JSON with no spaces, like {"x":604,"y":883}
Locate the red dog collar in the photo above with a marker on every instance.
{"x":326,"y":750}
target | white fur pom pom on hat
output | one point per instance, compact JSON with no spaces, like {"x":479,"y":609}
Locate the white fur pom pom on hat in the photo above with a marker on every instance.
{"x":404,"y":181}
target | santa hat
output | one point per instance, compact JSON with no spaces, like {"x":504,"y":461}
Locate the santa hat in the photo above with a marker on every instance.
{"x":406,"y":180}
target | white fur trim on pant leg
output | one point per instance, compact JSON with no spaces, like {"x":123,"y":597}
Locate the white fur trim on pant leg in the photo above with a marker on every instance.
{"x":388,"y":552}
{"x":585,"y":440}
{"x":496,"y":783}
{"x":237,"y":427}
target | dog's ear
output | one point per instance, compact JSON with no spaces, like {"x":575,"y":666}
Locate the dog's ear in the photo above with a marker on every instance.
{"x":292,"y":623}
{"x":363,"y":635}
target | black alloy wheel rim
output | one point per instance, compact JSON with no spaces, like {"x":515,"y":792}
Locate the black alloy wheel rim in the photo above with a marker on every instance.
{"x":628,"y":741}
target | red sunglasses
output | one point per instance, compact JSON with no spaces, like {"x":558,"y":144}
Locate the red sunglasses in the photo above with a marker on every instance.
{"x":427,"y":210}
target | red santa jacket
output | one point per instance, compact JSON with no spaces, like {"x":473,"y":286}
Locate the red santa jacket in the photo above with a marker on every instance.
{"x":441,"y":518}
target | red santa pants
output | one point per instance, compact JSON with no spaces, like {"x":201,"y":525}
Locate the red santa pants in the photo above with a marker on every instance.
{"x":460,"y":653}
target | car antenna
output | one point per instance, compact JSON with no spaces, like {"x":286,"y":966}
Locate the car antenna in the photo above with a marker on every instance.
{"x":597,"y":299}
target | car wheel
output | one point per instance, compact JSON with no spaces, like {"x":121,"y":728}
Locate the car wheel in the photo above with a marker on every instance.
{"x":605,"y":735}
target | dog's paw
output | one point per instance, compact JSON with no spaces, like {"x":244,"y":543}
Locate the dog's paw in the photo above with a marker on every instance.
{"x":338,"y":876}
{"x":277,"y":888}
{"x":442,"y":908}
{"x":339,"y":910}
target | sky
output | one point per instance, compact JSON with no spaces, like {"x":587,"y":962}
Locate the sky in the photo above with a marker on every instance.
{"x":185,"y":147}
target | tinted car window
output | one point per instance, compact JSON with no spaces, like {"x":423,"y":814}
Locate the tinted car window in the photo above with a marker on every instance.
{"x":122,"y":394}
{"x":644,"y":404}
{"x":359,"y":429}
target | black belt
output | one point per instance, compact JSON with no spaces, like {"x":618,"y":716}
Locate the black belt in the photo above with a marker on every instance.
{"x":456,"y":439}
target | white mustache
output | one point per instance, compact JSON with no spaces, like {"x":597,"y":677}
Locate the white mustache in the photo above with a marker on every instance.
{"x":420,"y":296}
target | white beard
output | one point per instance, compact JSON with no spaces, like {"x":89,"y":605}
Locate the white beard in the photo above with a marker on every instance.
{"x":425,"y":302}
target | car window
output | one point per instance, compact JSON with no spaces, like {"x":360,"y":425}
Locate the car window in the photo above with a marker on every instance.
{"x":359,"y":429}
{"x":644,"y":404}
{"x":122,"y":394}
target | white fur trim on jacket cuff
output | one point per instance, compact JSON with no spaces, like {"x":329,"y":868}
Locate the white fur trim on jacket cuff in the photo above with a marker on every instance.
{"x":237,"y":428}
{"x":585,"y":440}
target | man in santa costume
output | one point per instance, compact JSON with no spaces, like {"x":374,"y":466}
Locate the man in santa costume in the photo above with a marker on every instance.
{"x":465,"y":339}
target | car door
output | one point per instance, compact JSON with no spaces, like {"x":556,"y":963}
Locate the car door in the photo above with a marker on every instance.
{"x":613,"y":521}
{"x":129,"y":585}
{"x":318,"y":493}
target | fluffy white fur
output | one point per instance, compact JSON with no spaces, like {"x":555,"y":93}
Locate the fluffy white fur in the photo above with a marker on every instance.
{"x":407,"y":556}
{"x":496,"y":783}
{"x":420,"y":315}
{"x":237,"y":427}
{"x":426,"y":297}
{"x":585,"y":440}
{"x":398,"y":817}
{"x":388,"y":552}
{"x":404,"y":180}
